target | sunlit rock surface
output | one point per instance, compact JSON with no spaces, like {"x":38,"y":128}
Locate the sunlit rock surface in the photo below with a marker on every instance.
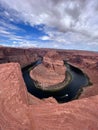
{"x":51,"y":71}
{"x":17,"y":113}
{"x":13,"y":99}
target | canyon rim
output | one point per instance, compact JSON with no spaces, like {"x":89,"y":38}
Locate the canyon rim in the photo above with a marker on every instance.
{"x":19,"y":110}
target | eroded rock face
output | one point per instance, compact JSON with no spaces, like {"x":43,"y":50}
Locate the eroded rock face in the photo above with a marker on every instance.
{"x":51,"y":71}
{"x":53,"y":62}
{"x":86,"y":60}
{"x":13,"y":99}
{"x":22,"y":56}
{"x":75,"y":115}
{"x":17,"y":114}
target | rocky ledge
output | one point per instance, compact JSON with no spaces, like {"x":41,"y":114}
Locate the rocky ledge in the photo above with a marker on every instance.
{"x":51,"y":73}
{"x":16,"y":113}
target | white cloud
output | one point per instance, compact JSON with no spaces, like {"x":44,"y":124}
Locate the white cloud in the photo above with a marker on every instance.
{"x":45,"y":38}
{"x":74,"y":21}
{"x":8,"y":26}
{"x":62,"y":14}
{"x":10,"y":32}
{"x":24,"y":43}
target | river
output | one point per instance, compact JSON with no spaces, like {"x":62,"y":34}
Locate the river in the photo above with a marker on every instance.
{"x":79,"y":80}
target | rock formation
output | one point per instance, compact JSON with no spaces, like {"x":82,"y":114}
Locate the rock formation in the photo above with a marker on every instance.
{"x":50,"y":72}
{"x":13,"y":99}
{"x":22,"y":111}
{"x":86,"y":60}
{"x":17,"y":114}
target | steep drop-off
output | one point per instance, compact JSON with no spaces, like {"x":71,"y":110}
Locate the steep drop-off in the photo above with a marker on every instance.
{"x":21,"y":111}
{"x":85,"y":60}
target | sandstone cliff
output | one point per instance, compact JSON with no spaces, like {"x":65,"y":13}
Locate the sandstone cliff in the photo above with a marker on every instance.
{"x":20,"y":111}
{"x":14,"y":111}
{"x":50,"y":72}
{"x":87,"y":61}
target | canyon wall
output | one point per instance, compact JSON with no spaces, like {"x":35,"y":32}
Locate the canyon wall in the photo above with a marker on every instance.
{"x":27,"y":56}
{"x":21,"y":111}
{"x":85,"y":60}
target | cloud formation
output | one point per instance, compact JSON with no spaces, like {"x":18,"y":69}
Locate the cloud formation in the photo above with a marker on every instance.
{"x":66,"y":21}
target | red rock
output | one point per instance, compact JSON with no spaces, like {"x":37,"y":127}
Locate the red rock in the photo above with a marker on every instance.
{"x":1,"y":55}
{"x":75,"y":115}
{"x":14,"y":112}
{"x":50,"y":100}
{"x":51,"y":71}
{"x":53,"y":61}
{"x":85,"y":60}
{"x":22,"y":56}
{"x":32,"y":100}
{"x":17,"y":114}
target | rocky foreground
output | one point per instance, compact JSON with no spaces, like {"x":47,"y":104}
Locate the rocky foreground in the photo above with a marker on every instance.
{"x":21,"y":111}
{"x":16,"y":112}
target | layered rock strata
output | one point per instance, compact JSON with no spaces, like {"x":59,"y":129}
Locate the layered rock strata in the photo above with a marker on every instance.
{"x":17,"y":114}
{"x":86,"y":60}
{"x":51,"y":73}
{"x":13,"y":99}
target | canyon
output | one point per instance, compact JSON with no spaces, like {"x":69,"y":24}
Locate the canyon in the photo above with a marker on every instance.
{"x":50,"y":72}
{"x":19,"y":110}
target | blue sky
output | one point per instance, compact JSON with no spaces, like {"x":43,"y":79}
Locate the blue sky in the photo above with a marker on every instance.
{"x":64,"y":24}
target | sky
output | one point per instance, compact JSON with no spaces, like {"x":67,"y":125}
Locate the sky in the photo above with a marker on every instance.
{"x":61,"y":24}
